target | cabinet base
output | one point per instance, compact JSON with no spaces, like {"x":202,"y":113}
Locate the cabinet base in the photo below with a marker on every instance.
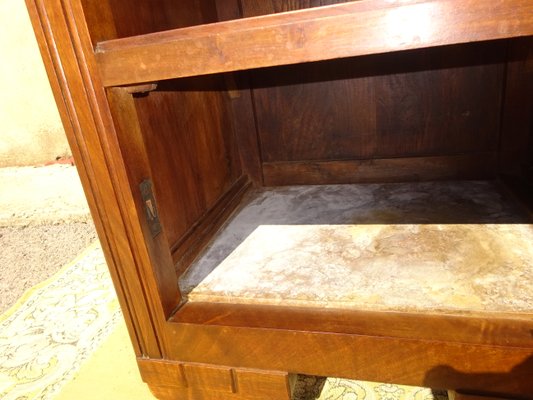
{"x":190,"y":381}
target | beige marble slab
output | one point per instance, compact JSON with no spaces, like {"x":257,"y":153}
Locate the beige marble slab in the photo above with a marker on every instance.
{"x":342,"y":246}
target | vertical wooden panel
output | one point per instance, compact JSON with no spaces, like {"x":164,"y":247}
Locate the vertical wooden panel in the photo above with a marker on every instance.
{"x":191,"y":145}
{"x":517,"y":121}
{"x":241,"y":103}
{"x":135,"y":155}
{"x":313,"y":112}
{"x":440,"y":101}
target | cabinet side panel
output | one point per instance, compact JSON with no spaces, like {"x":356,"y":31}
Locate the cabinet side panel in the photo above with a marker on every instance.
{"x":191,"y":147}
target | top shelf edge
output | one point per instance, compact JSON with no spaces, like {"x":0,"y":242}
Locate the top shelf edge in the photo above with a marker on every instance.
{"x":316,"y":34}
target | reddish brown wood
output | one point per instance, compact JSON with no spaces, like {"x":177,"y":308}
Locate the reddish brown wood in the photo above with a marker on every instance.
{"x":138,"y":168}
{"x":145,"y":17}
{"x":191,"y":146}
{"x":429,"y":363}
{"x":258,"y":7}
{"x":173,"y":380}
{"x":196,"y":238}
{"x":417,"y":103}
{"x":516,"y":156}
{"x":345,"y":30}
{"x":144,"y":88}
{"x":85,"y":114}
{"x":481,"y":328}
{"x":475,"y":166}
{"x":245,"y":126}
{"x":188,"y":138}
{"x":454,"y":395}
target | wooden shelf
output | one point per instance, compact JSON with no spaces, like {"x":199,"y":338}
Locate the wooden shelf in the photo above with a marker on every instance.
{"x":322,"y":33}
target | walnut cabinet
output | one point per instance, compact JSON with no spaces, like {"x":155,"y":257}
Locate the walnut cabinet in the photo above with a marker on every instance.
{"x":308,"y":186}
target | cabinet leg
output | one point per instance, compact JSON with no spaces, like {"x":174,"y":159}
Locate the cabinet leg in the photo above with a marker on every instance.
{"x":169,"y":380}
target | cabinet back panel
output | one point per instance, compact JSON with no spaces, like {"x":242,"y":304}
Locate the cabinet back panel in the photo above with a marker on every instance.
{"x":111,"y":19}
{"x":427,"y":102}
{"x":252,"y":8}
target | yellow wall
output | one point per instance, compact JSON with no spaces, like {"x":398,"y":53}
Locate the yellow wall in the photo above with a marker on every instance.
{"x":30,"y":129}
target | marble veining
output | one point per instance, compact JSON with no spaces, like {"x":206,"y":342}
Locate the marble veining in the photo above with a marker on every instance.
{"x":454,"y":246}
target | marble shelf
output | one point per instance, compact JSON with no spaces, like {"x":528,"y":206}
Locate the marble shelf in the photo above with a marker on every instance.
{"x":436,"y":247}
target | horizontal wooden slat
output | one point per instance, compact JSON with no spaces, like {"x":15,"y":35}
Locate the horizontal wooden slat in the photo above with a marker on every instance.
{"x":467,"y":166}
{"x":499,"y":329}
{"x":322,"y":33}
{"x":428,"y":363}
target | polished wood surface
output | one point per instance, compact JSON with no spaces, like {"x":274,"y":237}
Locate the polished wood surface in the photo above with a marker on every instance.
{"x":173,"y":380}
{"x":345,"y":30}
{"x":67,"y":51}
{"x":118,"y":19}
{"x":411,"y":361}
{"x":499,"y":329}
{"x":429,"y":113}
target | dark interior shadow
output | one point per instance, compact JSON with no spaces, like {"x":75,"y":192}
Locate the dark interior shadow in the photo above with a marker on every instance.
{"x":402,"y":62}
{"x":515,"y":384}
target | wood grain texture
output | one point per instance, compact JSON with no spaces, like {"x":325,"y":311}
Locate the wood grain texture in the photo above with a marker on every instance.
{"x":516,"y":147}
{"x":68,"y":53}
{"x":138,"y":168}
{"x":336,"y":31}
{"x":174,"y":380}
{"x":191,"y":146}
{"x":474,"y":166}
{"x":493,"y":354}
{"x":242,"y":107}
{"x":417,"y":103}
{"x":260,"y":7}
{"x":245,"y":127}
{"x":498,"y":329}
{"x":428,"y":363}
{"x":454,"y":395}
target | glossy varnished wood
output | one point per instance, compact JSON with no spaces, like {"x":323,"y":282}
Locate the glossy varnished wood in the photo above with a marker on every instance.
{"x":117,"y":19}
{"x":344,"y":30}
{"x":174,"y":380}
{"x":516,"y":144}
{"x":501,"y":329}
{"x":67,"y":51}
{"x":196,"y":238}
{"x":411,"y":361}
{"x":138,"y":169}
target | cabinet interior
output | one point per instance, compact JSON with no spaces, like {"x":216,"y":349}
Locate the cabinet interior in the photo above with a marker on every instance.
{"x":459,"y":112}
